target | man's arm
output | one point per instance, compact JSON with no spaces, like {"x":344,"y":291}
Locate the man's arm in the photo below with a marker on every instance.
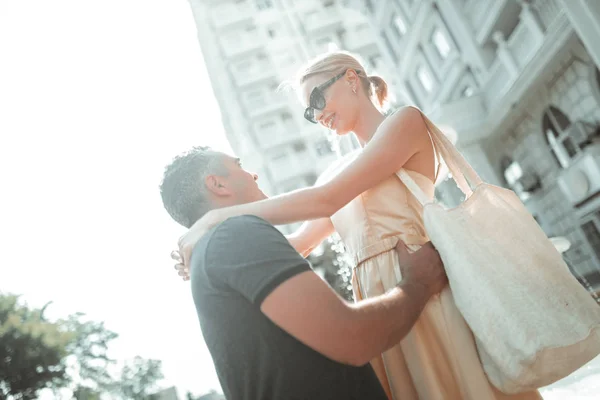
{"x":308,"y":309}
{"x":251,"y":257}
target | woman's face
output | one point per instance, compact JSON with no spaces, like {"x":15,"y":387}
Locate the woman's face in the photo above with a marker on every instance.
{"x":341,"y":103}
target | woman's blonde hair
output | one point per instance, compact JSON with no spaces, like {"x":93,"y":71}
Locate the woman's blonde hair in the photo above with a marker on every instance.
{"x":334,"y":63}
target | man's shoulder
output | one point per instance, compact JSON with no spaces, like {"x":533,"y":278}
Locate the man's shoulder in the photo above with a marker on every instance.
{"x":233,"y":234}
{"x":243,"y":221}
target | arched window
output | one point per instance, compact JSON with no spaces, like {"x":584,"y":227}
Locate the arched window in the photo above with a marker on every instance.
{"x":555,"y":125}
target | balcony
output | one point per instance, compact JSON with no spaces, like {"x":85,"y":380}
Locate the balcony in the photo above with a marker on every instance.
{"x":265,"y":105}
{"x":360,"y":39}
{"x":292,"y":166}
{"x":242,"y":45}
{"x":232,"y":15}
{"x":324,"y":21}
{"x":513,"y":55}
{"x":256,"y":73}
{"x":548,"y":11}
{"x":488,"y":16}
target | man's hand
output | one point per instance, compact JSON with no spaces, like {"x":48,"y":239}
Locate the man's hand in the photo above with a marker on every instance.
{"x":424,"y":267}
{"x":182,"y":270}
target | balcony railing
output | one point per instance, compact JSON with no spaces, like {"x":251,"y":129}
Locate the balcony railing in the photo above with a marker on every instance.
{"x":547,"y":10}
{"x":228,"y":15}
{"x":295,"y":165}
{"x":359,"y":39}
{"x":265,"y":105}
{"x":246,"y":44}
{"x":259,"y":72}
{"x":513,"y":54}
{"x":322,"y":21}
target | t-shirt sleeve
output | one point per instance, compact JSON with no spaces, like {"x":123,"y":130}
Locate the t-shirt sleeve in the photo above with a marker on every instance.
{"x":251,"y":257}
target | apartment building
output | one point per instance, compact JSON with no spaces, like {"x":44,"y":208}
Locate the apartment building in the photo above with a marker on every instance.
{"x":250,"y":47}
{"x":518,"y":82}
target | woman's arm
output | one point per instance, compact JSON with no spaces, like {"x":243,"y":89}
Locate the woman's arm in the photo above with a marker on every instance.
{"x":310,"y":235}
{"x":399,"y":138}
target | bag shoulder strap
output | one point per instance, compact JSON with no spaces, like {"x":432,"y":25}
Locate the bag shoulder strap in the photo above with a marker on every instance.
{"x":463,"y":174}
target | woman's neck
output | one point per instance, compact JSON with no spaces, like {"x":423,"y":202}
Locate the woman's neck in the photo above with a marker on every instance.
{"x":368,"y":121}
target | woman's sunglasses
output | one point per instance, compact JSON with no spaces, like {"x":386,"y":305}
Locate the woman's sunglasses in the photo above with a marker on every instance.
{"x":317,"y":97}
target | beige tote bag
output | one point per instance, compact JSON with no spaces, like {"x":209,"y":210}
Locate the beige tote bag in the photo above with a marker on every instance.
{"x":532,"y":321}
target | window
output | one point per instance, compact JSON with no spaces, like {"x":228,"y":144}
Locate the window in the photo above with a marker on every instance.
{"x":274,"y":30}
{"x":310,"y":179}
{"x":285,"y":58}
{"x":425,"y":78}
{"x":512,"y":173}
{"x":279,"y":162}
{"x":555,"y":125}
{"x":374,"y":61}
{"x":399,"y":25}
{"x":441,"y":44}
{"x":264,"y":4}
{"x":523,"y":183}
{"x":299,"y":147}
{"x":243,"y":66}
{"x":591,"y":230}
{"x":323,"y":148}
{"x":267,"y":126}
{"x":467,"y":91}
{"x":255,"y":98}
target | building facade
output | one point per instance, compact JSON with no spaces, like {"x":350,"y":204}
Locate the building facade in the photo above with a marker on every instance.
{"x":518,"y":81}
{"x":250,"y":47}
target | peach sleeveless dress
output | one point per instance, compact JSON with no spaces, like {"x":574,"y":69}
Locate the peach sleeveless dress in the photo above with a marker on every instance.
{"x":438,"y":358}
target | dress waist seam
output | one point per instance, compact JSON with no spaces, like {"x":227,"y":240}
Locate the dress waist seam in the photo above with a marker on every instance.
{"x":384,"y":245}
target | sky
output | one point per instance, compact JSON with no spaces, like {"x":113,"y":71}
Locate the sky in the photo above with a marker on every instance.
{"x":96,"y":97}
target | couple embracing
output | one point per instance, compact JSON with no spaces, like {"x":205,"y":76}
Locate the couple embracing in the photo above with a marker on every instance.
{"x":275,"y":330}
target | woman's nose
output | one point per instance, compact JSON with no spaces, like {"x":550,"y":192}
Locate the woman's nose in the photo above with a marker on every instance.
{"x":255,"y":176}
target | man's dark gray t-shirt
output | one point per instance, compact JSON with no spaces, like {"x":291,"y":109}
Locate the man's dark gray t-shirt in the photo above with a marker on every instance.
{"x":234,"y":268}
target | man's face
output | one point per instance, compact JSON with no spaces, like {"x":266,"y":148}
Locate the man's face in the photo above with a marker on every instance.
{"x":240,"y":183}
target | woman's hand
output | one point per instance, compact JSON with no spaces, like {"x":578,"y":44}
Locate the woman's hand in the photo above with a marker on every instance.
{"x":182,"y":270}
{"x":187,"y":242}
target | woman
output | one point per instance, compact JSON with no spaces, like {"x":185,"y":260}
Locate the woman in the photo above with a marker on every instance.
{"x":364,"y":201}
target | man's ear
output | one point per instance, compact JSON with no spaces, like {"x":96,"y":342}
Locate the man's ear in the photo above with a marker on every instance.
{"x":216,"y":186}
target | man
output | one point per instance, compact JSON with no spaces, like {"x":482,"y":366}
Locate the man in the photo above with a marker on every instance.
{"x":274,"y":328}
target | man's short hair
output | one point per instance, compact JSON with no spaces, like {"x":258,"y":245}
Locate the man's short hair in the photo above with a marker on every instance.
{"x":183,"y":188}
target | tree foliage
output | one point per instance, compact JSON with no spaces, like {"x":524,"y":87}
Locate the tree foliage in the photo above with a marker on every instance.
{"x":337,"y":264}
{"x":70,"y":353}
{"x":139,"y":378}
{"x":32,"y":350}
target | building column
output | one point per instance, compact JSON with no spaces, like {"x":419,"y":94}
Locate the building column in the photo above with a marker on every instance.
{"x":529,"y":18}
{"x":504,"y":54}
{"x":464,"y":38}
{"x":585,"y":17}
